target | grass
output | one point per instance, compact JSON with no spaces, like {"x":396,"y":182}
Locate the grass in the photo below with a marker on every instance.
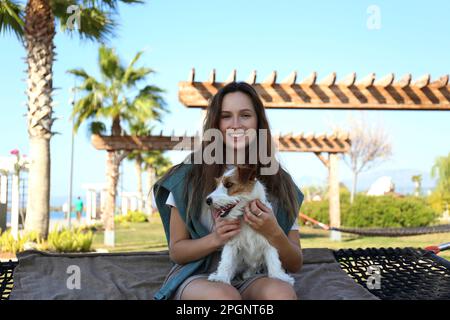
{"x":149,"y":236}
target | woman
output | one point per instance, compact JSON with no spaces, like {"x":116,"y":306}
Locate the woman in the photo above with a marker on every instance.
{"x":194,"y":238}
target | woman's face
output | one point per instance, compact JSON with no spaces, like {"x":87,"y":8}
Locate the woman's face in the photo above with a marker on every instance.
{"x":237,"y":117}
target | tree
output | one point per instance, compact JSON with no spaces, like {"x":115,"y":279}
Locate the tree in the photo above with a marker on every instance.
{"x":115,"y":100}
{"x":370,"y":146}
{"x":417,"y":179}
{"x":35,"y":26}
{"x":441,"y":194}
{"x":11,"y":18}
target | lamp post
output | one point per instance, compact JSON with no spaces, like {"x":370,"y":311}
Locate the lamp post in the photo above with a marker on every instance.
{"x":71,"y":102}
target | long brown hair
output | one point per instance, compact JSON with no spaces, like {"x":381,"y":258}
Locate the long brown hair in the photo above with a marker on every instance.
{"x":200,"y":180}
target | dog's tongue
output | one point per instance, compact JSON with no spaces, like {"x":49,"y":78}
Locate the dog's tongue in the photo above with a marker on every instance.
{"x":215,"y":213}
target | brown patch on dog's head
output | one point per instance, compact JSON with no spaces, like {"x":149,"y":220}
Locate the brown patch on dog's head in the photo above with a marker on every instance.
{"x":241,"y":181}
{"x":246,"y":173}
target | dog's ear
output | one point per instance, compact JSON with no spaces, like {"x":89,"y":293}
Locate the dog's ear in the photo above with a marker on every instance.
{"x":246,"y":173}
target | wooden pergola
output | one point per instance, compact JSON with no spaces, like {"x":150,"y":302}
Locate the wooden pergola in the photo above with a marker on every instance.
{"x":367,"y":93}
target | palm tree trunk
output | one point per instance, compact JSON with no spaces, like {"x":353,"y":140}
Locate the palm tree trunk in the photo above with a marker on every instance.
{"x":112,"y":178}
{"x":38,"y":206}
{"x":39,"y":34}
{"x":138,"y":165}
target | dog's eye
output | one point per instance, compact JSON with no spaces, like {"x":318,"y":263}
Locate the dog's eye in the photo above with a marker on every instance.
{"x":228,"y":184}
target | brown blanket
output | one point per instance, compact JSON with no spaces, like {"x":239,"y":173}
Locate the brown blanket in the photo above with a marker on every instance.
{"x":46,"y":276}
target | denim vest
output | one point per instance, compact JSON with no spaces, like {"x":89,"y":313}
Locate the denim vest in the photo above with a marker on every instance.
{"x":175,"y":184}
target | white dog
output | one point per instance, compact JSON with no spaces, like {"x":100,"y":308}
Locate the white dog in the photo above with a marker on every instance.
{"x":248,"y":251}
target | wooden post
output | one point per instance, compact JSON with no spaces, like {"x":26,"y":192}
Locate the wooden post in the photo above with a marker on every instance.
{"x":335,"y":209}
{"x":3,"y":201}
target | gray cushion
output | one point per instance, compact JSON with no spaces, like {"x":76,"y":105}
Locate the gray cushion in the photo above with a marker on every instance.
{"x":139,"y":275}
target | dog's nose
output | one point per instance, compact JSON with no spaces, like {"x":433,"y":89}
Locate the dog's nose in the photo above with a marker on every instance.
{"x":208,"y":201}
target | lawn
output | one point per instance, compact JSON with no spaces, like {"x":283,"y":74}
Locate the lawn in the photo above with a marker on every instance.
{"x":149,"y":236}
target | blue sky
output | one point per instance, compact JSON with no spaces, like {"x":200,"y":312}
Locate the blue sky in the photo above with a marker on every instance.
{"x":306,"y":36}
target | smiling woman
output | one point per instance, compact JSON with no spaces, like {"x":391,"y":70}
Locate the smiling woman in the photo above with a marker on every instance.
{"x":196,"y":232}
{"x":238,"y":116}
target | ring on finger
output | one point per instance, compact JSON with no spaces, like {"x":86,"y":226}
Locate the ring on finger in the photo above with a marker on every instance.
{"x":260,"y":213}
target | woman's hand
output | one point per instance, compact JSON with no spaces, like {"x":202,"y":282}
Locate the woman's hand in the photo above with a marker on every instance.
{"x":261,"y":218}
{"x":224,"y":230}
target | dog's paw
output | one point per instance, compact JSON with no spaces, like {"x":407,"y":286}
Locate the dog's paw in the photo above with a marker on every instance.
{"x":283,"y":277}
{"x":218,"y":278}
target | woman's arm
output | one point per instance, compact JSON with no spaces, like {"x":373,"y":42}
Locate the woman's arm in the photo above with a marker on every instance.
{"x":288,"y":246}
{"x":289,"y":249}
{"x":183,"y":249}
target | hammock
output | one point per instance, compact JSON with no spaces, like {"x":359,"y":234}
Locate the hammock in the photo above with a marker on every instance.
{"x":402,"y":273}
{"x":383,"y":232}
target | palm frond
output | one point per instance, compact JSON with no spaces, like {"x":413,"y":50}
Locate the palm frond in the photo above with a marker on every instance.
{"x":109,"y":62}
{"x":11,"y":18}
{"x":96,"y":127}
{"x":88,"y":22}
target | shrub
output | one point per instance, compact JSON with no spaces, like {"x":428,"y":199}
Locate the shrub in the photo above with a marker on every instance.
{"x":132,"y":216}
{"x":388,"y":211}
{"x":70,"y":240}
{"x":9,"y":244}
{"x":382,"y":211}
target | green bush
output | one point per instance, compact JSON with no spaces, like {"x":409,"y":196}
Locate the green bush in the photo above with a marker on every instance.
{"x":382,"y":211}
{"x":388,"y":211}
{"x":9,"y":244}
{"x":131,"y":216}
{"x":70,"y":240}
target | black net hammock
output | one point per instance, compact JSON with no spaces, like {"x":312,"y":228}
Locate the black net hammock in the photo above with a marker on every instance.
{"x":382,"y":232}
{"x":405,"y":273}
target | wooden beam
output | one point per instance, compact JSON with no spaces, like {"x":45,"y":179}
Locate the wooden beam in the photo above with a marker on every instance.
{"x":310,"y":80}
{"x":323,"y":159}
{"x":191,"y":77}
{"x":386,"y":81}
{"x":367,"y":94}
{"x":329,"y":80}
{"x":290,"y":79}
{"x":271,"y":78}
{"x":285,"y":143}
{"x":367,"y":81}
{"x":252,"y":78}
{"x":405,"y":81}
{"x":349,"y":80}
{"x":212,"y":76}
{"x":423,"y":81}
{"x":442,"y":82}
{"x":231,"y":77}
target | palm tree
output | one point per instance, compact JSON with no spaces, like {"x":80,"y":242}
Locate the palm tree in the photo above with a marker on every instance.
{"x":11,"y":18}
{"x":114,"y":98}
{"x":441,"y":171}
{"x":417,"y":179}
{"x":36,"y":26}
